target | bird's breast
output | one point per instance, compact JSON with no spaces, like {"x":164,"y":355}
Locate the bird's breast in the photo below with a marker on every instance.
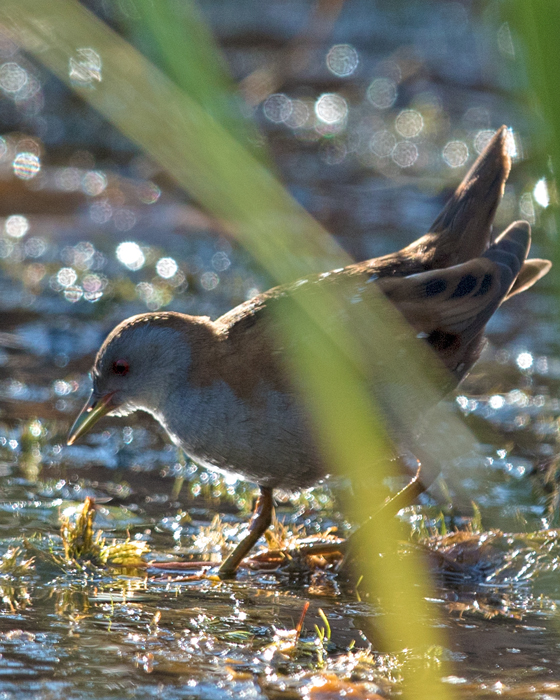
{"x":265,"y":440}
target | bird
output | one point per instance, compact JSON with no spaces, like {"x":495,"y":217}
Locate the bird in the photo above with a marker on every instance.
{"x":221,"y":389}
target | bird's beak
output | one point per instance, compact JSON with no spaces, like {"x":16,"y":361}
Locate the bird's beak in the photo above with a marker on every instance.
{"x":96,"y":407}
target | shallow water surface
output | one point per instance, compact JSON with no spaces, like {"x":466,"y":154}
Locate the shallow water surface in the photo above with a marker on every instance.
{"x":98,"y":233}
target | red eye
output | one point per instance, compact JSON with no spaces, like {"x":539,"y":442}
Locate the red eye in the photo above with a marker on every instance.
{"x":120,"y":367}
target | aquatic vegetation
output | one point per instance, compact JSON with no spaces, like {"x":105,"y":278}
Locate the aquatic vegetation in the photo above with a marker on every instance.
{"x":83,"y":546}
{"x":14,"y":579}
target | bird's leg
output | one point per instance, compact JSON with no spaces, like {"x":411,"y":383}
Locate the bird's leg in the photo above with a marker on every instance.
{"x":260,"y":522}
{"x":405,"y":497}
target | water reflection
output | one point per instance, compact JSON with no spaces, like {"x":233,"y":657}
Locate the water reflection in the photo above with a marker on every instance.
{"x":16,"y":226}
{"x":12,"y":77}
{"x":26,"y":165}
{"x":342,"y":60}
{"x":331,"y":108}
{"x":131,"y":255}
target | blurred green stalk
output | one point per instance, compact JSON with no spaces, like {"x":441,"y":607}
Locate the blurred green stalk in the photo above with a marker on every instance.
{"x":535,"y":25}
{"x":191,"y":58}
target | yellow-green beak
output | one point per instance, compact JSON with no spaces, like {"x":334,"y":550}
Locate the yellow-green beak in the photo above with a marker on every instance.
{"x":96,"y":407}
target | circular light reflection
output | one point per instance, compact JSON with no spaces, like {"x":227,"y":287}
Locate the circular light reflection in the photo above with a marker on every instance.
{"x":342,"y":60}
{"x":66,"y":276}
{"x":166,"y":267}
{"x":409,"y":123}
{"x":455,"y":153}
{"x":382,"y":93}
{"x":220,"y":261}
{"x":405,"y":154}
{"x":130,"y":255}
{"x":12,"y":77}
{"x":16,"y":226}
{"x":35,"y":247}
{"x":496,"y":402}
{"x":209,"y":281}
{"x":85,"y":68}
{"x":148,"y":192}
{"x":524,"y":360}
{"x":93,"y":183}
{"x":277,"y":108}
{"x":26,"y":165}
{"x":331,"y":108}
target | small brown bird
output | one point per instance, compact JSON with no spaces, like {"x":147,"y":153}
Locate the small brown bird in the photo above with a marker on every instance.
{"x":221,"y":389}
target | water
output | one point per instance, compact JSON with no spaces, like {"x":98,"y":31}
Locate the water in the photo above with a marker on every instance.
{"x":95,"y":232}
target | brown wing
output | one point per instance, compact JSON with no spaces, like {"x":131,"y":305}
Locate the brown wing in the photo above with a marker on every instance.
{"x":450,"y":299}
{"x":450,"y":307}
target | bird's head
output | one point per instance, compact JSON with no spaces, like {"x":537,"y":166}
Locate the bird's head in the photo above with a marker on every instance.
{"x":140,"y":363}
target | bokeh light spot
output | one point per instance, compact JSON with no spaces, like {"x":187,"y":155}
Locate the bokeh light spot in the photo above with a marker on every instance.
{"x":524,"y":360}
{"x":68,"y":179}
{"x":35,"y":247}
{"x":26,"y":165}
{"x":220,"y":261}
{"x":277,"y":108}
{"x":16,"y":226}
{"x":66,"y":276}
{"x":382,"y":93}
{"x":209,"y":281}
{"x":455,"y":153}
{"x":342,"y":60}
{"x":405,"y":154}
{"x":409,"y":123}
{"x":124,"y":219}
{"x":93,"y":283}
{"x":101,"y":212}
{"x":12,"y":77}
{"x":166,"y":267}
{"x":130,"y":255}
{"x":331,"y":108}
{"x":93,"y":183}
{"x":496,"y":402}
{"x":148,"y":192}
